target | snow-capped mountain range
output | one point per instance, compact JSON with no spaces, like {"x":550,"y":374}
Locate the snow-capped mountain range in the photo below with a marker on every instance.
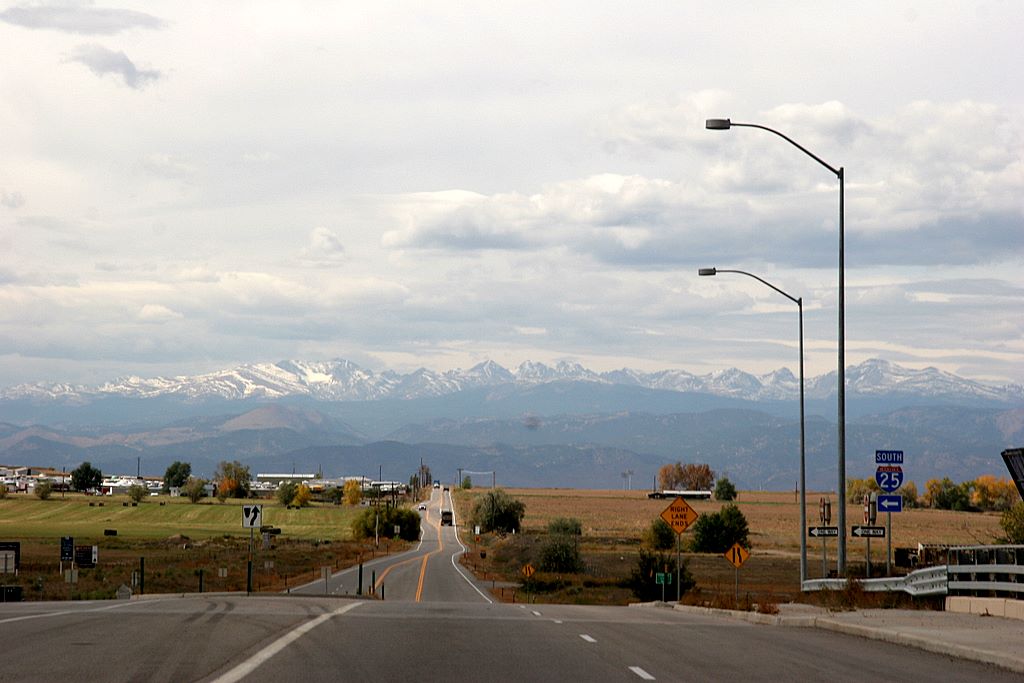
{"x":341,"y":380}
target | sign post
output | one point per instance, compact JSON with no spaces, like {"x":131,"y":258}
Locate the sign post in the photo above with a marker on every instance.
{"x":825,"y":517}
{"x":252,"y":518}
{"x":889,"y":476}
{"x":736,"y":556}
{"x":679,"y":515}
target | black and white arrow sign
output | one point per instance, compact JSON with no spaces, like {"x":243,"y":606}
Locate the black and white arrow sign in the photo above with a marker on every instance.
{"x":869,"y":531}
{"x":823,"y":531}
{"x":252,"y":516}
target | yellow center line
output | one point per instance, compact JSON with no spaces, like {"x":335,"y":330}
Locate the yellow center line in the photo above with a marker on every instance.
{"x":423,"y":567}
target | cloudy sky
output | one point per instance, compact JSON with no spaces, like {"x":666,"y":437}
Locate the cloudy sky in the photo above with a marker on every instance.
{"x":185,"y":186}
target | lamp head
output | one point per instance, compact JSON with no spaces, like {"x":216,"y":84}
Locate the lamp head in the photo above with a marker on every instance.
{"x":718,"y":124}
{"x":707,"y":271}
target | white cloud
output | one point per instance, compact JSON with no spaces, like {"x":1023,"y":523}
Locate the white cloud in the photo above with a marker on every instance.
{"x":157,"y":313}
{"x":102,"y":61}
{"x":78,"y":18}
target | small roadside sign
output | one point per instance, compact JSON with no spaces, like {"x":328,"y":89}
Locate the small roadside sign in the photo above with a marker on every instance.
{"x":663,"y":578}
{"x":737,"y":555}
{"x":868,"y":531}
{"x":252,"y":516}
{"x":67,"y":548}
{"x":822,"y":531}
{"x":890,"y":503}
{"x":528,"y":570}
{"x":679,"y":515}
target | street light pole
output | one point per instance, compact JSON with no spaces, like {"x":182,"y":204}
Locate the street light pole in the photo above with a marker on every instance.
{"x":803,"y":480}
{"x":726,"y":124}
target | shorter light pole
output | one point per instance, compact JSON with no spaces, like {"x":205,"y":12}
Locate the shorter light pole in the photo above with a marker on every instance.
{"x":803,"y":487}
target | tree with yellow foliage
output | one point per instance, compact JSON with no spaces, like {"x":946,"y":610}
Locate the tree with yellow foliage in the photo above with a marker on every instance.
{"x":353,"y":492}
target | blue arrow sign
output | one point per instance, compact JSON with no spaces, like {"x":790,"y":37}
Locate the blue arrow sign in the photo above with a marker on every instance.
{"x":890,"y":503}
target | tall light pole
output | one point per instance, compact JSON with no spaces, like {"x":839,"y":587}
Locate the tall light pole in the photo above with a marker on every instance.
{"x":803,"y":484}
{"x":726,"y":124}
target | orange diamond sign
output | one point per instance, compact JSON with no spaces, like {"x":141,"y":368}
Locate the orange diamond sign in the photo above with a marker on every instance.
{"x":737,"y":555}
{"x":679,"y":515}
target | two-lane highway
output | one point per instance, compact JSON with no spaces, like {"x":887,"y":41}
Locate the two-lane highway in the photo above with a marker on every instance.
{"x":435,"y":625}
{"x":429,"y":573}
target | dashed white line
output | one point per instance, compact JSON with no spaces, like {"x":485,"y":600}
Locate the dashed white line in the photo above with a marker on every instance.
{"x":535,"y":613}
{"x":641,"y":673}
{"x":587,"y":638}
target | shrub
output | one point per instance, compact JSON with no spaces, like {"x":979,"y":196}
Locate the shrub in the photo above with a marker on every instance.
{"x":856,"y":489}
{"x":467,"y":483}
{"x":43,"y":490}
{"x":353,"y":492}
{"x":569,"y":526}
{"x":724,"y":490}
{"x":137,"y":492}
{"x":366,"y":522}
{"x":660,"y":536}
{"x":643,"y":581}
{"x":560,"y":553}
{"x":718,"y":531}
{"x":286,"y":492}
{"x":194,"y":489}
{"x":302,"y":496}
{"x":498,"y":511}
{"x":1012,"y":522}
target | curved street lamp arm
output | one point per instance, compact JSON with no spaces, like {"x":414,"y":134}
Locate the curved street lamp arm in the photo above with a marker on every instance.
{"x":837,"y":171}
{"x":798,"y":302}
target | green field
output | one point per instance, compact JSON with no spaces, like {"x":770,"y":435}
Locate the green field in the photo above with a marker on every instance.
{"x":25,"y":517}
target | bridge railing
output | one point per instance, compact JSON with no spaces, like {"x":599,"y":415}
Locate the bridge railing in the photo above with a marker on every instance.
{"x":978,"y":571}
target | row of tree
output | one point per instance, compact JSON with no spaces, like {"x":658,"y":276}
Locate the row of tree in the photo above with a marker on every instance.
{"x":986,"y":493}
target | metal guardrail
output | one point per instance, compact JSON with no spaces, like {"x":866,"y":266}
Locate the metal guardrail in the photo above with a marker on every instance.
{"x":978,"y":570}
{"x":928,"y":581}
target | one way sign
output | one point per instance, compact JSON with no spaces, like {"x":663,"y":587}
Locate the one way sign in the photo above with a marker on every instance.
{"x":252,"y":516}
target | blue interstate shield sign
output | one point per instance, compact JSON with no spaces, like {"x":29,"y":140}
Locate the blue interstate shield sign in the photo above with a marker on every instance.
{"x":889,"y":477}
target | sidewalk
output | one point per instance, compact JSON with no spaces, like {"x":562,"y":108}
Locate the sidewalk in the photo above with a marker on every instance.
{"x":989,"y":639}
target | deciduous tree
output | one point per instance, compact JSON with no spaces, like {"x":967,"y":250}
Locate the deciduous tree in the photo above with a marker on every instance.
{"x":85,"y":477}
{"x":176,"y":475}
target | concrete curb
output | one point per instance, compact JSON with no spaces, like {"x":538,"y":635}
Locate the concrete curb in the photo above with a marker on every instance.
{"x":888,"y":635}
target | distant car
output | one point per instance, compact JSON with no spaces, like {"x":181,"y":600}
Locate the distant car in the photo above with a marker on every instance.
{"x":437,"y":485}
{"x":422,"y":506}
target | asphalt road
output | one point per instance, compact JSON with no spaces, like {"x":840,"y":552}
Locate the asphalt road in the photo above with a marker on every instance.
{"x":434,"y":625}
{"x":429,"y":573}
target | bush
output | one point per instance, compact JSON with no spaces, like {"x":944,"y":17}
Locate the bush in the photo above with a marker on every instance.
{"x":660,"y":536}
{"x":724,"y":490}
{"x":366,"y":522}
{"x":286,"y":492}
{"x":194,"y":489}
{"x":717,"y":532}
{"x":1012,"y":522}
{"x":643,"y":580}
{"x":137,"y":492}
{"x":569,"y":526}
{"x":560,"y":553}
{"x":856,"y":489}
{"x":43,"y":490}
{"x":498,"y":511}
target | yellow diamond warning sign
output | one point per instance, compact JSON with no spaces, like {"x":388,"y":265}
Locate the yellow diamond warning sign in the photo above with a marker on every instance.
{"x":679,"y":515}
{"x":737,"y":555}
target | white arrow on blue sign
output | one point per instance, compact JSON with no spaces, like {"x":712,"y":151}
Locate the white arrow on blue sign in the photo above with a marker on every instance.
{"x":890,"y":503}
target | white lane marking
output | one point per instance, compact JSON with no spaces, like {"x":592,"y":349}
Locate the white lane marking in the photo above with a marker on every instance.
{"x":455,"y":528}
{"x":587,"y":638}
{"x":535,"y":613}
{"x":641,"y":673}
{"x":558,"y":621}
{"x":251,"y":664}
{"x":74,"y":611}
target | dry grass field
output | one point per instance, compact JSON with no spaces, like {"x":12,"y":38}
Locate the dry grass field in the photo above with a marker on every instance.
{"x":614,"y":521}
